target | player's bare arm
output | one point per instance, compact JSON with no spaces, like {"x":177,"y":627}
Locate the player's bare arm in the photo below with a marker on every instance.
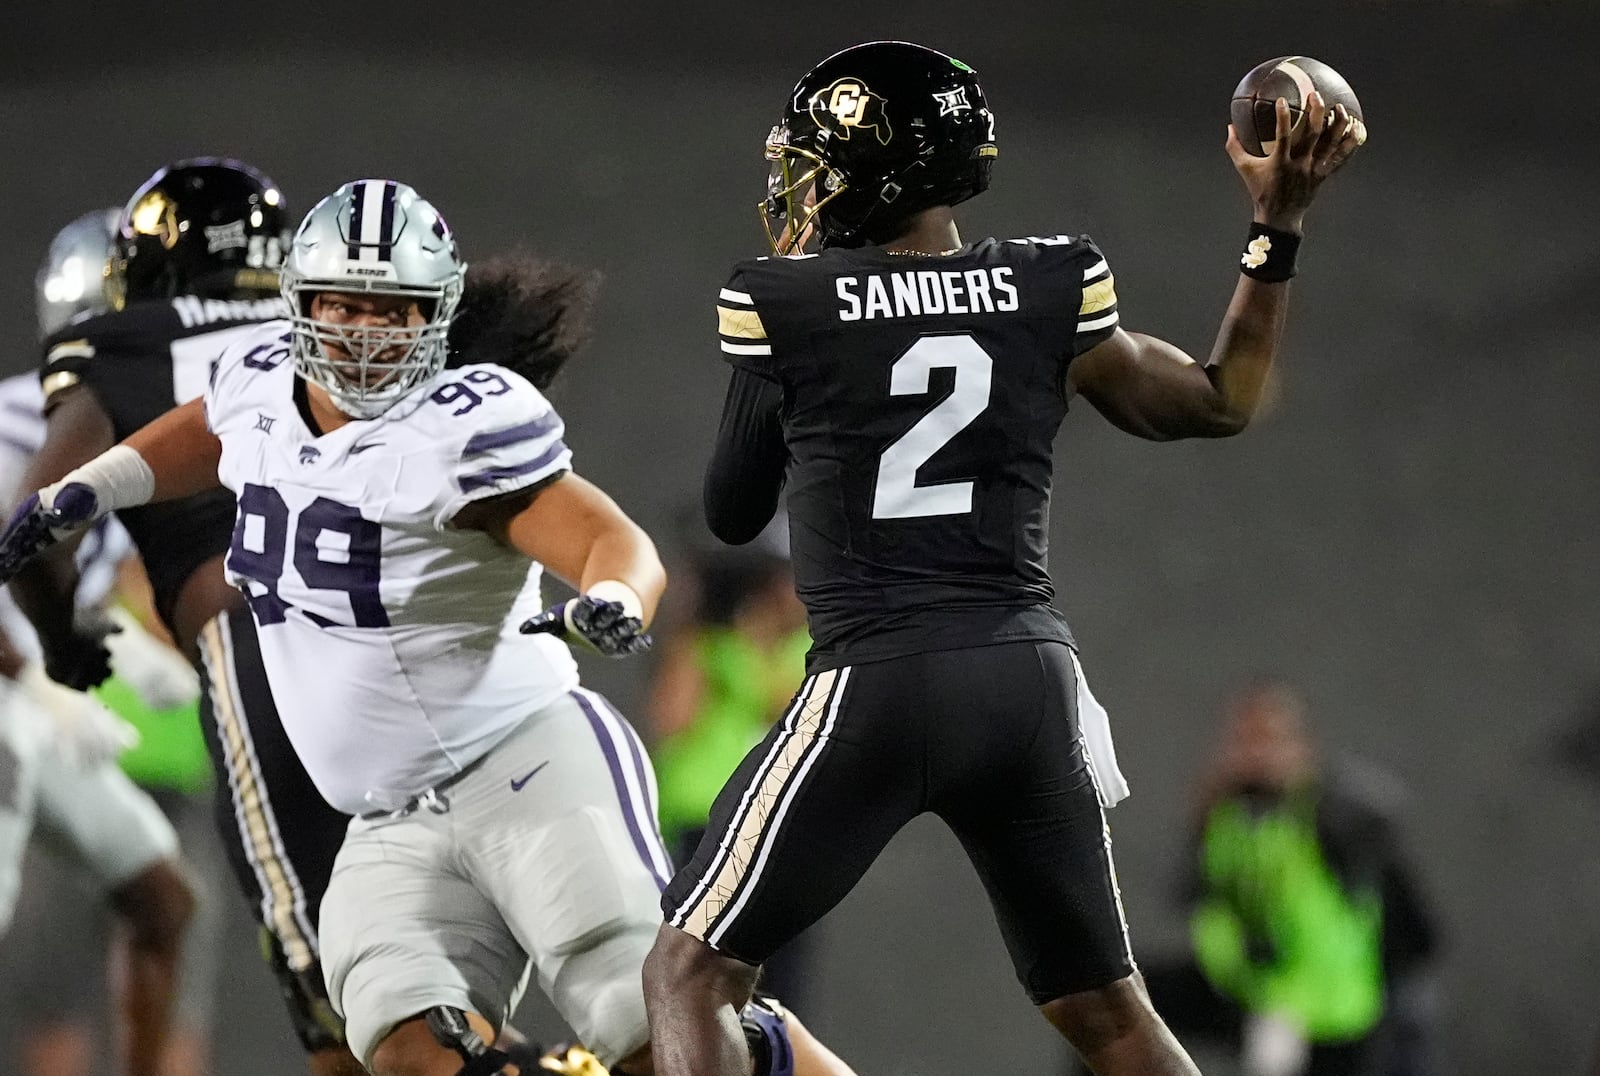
{"x":573,"y":528}
{"x":181,"y":452}
{"x":1155,"y":390}
{"x":77,"y":430}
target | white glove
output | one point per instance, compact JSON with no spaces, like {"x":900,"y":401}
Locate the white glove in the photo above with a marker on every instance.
{"x":84,"y":733}
{"x":156,"y":672}
{"x":1274,"y":1046}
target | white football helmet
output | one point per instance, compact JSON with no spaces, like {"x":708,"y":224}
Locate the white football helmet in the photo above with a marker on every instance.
{"x":377,"y":237}
{"x":70,"y":281}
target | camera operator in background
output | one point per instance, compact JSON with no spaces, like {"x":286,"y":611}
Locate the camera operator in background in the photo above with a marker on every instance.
{"x":1311,"y":945}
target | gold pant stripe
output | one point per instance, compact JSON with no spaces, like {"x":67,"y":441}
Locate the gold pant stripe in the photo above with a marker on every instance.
{"x":743,"y":845}
{"x":282,"y":898}
{"x":801,"y":696}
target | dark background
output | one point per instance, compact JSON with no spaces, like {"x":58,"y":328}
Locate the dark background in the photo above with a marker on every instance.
{"x":1410,"y":533}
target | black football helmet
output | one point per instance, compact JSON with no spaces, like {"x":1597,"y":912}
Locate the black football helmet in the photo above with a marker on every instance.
{"x":210,"y":227}
{"x":870,"y":136}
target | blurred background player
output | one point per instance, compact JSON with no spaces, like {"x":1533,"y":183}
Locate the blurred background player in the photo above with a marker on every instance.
{"x":55,"y":966}
{"x":904,"y":388}
{"x":1312,"y":946}
{"x":725,"y":674}
{"x":59,"y":781}
{"x":194,"y":264}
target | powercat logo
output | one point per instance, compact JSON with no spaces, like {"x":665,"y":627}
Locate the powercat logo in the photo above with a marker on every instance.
{"x":847,"y":104}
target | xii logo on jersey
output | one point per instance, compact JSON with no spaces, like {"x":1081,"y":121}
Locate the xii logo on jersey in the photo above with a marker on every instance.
{"x":846,"y":105}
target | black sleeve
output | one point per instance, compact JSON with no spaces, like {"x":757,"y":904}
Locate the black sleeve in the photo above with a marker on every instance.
{"x":746,"y":472}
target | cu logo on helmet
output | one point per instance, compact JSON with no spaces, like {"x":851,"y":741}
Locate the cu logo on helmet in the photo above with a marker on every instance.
{"x":851,"y":105}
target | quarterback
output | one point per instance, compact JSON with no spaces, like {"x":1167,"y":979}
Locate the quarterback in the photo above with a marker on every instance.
{"x":395,"y":516}
{"x":903,"y":390}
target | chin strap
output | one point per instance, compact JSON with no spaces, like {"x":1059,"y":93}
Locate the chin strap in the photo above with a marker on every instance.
{"x":451,"y":1030}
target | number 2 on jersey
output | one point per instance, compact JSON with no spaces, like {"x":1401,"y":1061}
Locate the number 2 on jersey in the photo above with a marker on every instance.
{"x":897,"y":495}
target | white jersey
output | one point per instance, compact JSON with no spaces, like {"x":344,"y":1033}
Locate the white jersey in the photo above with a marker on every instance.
{"x":390,"y":638}
{"x":22,"y":429}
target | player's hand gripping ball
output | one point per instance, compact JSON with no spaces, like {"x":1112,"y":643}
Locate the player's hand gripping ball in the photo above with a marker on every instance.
{"x":1292,"y":78}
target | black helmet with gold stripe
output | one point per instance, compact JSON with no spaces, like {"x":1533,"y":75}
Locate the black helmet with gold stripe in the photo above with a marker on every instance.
{"x":209,"y":226}
{"x":870,"y":136}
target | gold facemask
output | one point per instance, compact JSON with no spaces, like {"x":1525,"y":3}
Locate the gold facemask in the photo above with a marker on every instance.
{"x":789,"y":211}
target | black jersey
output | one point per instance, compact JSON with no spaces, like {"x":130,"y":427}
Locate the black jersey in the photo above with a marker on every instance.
{"x":140,"y":363}
{"x":921,"y":396}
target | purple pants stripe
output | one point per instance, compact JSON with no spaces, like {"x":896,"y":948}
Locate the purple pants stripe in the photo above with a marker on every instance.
{"x":647,"y":785}
{"x":630,"y":814}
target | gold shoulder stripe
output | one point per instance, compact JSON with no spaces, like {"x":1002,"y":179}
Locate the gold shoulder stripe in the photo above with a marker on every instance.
{"x":1098,"y":296}
{"x":56,"y":382}
{"x":70,"y":349}
{"x":740,"y":324}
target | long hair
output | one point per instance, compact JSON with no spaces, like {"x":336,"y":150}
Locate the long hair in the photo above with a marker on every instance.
{"x":525,"y":313}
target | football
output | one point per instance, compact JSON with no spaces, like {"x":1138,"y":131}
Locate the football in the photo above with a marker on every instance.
{"x":1292,"y":78}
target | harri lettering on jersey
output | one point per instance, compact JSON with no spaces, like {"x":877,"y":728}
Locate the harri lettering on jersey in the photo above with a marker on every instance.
{"x":921,"y":292}
{"x":194,"y":311}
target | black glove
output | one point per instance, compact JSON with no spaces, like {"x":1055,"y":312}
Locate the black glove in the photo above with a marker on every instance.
{"x":78,"y":657}
{"x":602,"y":626}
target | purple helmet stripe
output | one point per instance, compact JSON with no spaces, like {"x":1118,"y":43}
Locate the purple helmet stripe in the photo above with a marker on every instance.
{"x":386,"y":234}
{"x":353,"y":240}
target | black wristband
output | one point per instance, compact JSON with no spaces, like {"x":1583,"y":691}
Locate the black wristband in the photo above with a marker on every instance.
{"x":1269,"y":254}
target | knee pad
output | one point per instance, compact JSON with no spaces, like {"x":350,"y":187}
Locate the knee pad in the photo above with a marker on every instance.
{"x":315,"y":1022}
{"x":451,"y":1030}
{"x":766,"y":1032}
